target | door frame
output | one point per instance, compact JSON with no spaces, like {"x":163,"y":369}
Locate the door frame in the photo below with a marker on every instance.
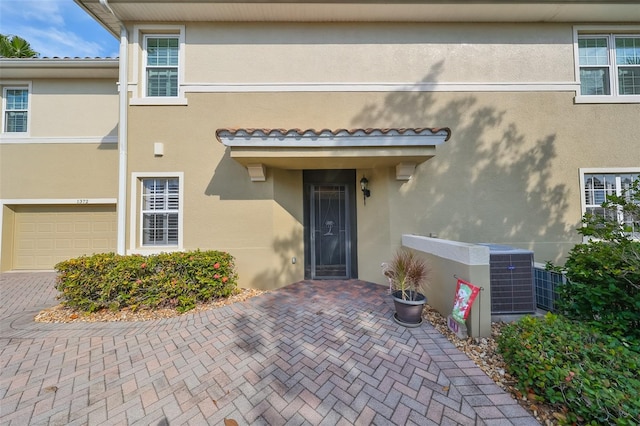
{"x":331,"y":177}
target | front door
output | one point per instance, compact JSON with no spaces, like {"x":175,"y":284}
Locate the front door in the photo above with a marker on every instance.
{"x":329,"y":230}
{"x":330,"y":251}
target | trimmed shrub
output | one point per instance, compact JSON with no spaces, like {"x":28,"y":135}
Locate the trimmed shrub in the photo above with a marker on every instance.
{"x":176,"y":280}
{"x":603,"y":288}
{"x":603,"y":275}
{"x":593,"y":377}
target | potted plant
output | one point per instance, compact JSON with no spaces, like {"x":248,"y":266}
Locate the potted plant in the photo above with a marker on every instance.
{"x":407,"y":275}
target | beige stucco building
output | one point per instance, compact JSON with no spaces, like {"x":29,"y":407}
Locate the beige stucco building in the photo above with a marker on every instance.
{"x":248,"y":127}
{"x":58,"y":160}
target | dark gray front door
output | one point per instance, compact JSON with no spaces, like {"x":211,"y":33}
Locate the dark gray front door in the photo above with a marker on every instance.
{"x":330,"y":232}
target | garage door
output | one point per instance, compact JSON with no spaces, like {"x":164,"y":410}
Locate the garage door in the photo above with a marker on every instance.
{"x":46,"y":235}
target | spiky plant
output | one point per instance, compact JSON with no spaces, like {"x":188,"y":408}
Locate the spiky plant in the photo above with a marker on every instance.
{"x":407,"y":273}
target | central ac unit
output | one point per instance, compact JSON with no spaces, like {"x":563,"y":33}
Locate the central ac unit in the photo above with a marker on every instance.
{"x":512,"y":280}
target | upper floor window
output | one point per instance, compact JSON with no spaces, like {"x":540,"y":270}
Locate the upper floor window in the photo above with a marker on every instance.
{"x":15,"y":110}
{"x":598,"y":186}
{"x":609,"y":65}
{"x":162,"y":61}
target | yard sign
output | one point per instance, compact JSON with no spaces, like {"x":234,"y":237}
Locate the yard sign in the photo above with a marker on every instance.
{"x":465,"y":295}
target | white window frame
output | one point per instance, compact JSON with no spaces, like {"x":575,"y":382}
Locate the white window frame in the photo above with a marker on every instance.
{"x":610,"y":33}
{"x":16,"y":86}
{"x":147,"y":67}
{"x":137,"y":212}
{"x":616,"y":171}
{"x":139,"y":64}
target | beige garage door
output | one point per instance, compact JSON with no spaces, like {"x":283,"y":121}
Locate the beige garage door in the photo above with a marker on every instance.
{"x":46,"y":235}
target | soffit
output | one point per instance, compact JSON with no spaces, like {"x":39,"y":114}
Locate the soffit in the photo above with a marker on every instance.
{"x":623,"y":11}
{"x":298,"y":149}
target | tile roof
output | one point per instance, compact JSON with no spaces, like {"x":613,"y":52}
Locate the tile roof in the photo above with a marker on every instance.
{"x":251,"y":133}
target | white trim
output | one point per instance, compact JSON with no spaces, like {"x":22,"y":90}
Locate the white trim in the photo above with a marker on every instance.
{"x":605,"y":28}
{"x":123,"y":132}
{"x":16,"y":85}
{"x":600,"y":170}
{"x":608,"y":170}
{"x":608,"y":31}
{"x":160,"y":100}
{"x":333,"y":141}
{"x":619,"y":99}
{"x":137,"y":84}
{"x":561,"y":86}
{"x":51,"y":201}
{"x":58,"y":139}
{"x":135,"y":234}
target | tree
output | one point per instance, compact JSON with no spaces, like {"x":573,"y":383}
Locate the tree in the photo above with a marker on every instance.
{"x":12,"y":46}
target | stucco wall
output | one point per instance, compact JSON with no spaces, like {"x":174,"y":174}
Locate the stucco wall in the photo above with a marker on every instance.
{"x":377,"y":52}
{"x":509,"y":173}
{"x":74,"y":108}
{"x":54,"y":171}
{"x":70,"y":150}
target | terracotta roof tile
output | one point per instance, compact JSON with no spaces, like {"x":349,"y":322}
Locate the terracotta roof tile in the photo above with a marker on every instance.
{"x":250,"y":132}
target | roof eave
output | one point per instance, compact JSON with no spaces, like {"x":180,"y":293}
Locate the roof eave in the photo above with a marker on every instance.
{"x":13,"y":68}
{"x":585,"y":11}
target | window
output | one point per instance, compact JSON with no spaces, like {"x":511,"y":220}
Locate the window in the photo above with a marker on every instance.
{"x":160,"y":211}
{"x":16,"y":110}
{"x":162,"y":66}
{"x":597,"y":186}
{"x":609,"y":65}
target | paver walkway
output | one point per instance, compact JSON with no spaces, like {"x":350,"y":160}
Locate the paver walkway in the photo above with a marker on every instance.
{"x":319,"y":353}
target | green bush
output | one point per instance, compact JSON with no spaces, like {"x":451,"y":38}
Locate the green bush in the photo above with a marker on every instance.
{"x":603,"y":275}
{"x":178,"y":280}
{"x":603,"y":288}
{"x":594,"y":377}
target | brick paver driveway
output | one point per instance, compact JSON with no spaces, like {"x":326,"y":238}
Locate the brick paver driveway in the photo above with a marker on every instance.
{"x":311,"y":353}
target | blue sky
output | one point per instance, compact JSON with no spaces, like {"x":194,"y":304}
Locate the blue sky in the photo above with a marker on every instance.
{"x":56,"y":28}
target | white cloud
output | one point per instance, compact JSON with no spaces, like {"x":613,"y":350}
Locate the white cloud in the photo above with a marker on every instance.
{"x":48,"y":11}
{"x":56,"y":28}
{"x":52,"y":41}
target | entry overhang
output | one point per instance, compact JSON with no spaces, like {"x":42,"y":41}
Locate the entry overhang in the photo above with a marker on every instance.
{"x":297,"y":149}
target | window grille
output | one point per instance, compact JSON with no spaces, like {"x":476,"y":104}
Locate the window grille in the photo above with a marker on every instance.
{"x":609,"y":65}
{"x":162,"y":66}
{"x":599,"y":186}
{"x":16,"y":110}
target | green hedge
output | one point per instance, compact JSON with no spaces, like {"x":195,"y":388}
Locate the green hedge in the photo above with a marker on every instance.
{"x":178,"y":280}
{"x":603,"y":288}
{"x":595,"y":377}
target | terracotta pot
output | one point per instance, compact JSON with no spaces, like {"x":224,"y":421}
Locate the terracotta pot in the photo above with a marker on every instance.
{"x":409,"y":312}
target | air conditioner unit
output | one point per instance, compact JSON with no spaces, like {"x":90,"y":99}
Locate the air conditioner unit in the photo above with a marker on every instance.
{"x":512,"y":280}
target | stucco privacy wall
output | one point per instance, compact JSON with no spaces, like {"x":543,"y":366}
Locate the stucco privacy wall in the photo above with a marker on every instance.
{"x":509,"y":174}
{"x":449,"y":261}
{"x":347,"y":53}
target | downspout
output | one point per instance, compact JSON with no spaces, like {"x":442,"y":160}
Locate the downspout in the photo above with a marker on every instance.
{"x":122,"y":131}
